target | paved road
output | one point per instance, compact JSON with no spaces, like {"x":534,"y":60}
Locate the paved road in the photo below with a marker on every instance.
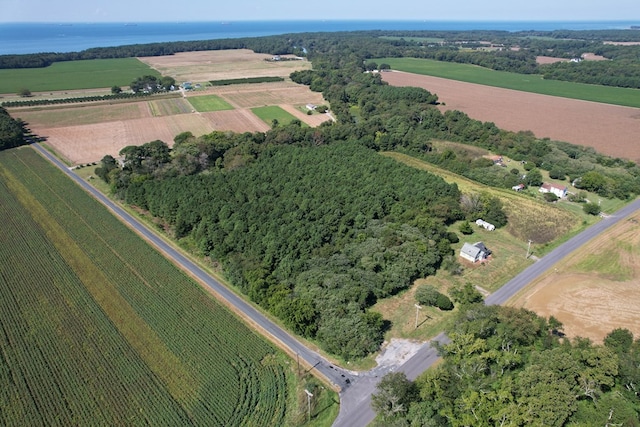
{"x":335,"y":375}
{"x":358,"y":412}
{"x":356,"y":388}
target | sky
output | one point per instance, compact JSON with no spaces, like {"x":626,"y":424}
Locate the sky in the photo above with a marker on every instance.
{"x":250,"y":10}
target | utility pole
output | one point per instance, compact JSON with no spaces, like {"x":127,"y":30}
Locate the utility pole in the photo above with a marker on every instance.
{"x":528,"y":250}
{"x":309,"y":396}
{"x":418,"y":308}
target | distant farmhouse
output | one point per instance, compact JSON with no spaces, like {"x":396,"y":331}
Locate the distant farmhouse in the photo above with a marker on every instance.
{"x":497,"y":160}
{"x":486,"y":225}
{"x":558,"y":190}
{"x":474,"y":253}
{"x":518,"y":187}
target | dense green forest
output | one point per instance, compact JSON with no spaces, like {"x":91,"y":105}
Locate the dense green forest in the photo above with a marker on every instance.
{"x":314,"y":225}
{"x":12,"y":131}
{"x":507,"y":366}
{"x":498,"y":50}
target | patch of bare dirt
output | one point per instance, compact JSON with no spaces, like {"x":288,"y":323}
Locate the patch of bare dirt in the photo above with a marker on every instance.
{"x":610,"y":129}
{"x":593,"y":57}
{"x":549,"y":59}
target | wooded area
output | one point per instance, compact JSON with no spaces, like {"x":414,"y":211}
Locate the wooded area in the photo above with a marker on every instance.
{"x":312,"y":224}
{"x":498,"y":50}
{"x":508,"y":366}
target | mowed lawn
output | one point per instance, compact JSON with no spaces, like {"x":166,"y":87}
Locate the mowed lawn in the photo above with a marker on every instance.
{"x":270,"y":113}
{"x":525,"y":82}
{"x":207,"y":103}
{"x":71,"y":75}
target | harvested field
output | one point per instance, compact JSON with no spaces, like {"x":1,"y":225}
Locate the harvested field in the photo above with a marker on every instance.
{"x":235,"y":120}
{"x":610,"y":129}
{"x":91,"y":142}
{"x":79,"y":114}
{"x":204,"y":66}
{"x":549,"y":59}
{"x":261,"y":94}
{"x":595,"y":290}
{"x":83,"y":133}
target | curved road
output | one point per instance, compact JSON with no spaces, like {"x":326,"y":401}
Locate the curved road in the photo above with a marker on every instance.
{"x":356,"y":388}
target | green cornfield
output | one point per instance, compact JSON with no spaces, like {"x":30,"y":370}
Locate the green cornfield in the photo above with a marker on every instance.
{"x":97,"y":328}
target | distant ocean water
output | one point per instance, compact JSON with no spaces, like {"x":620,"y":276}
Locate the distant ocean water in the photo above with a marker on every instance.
{"x":21,"y":38}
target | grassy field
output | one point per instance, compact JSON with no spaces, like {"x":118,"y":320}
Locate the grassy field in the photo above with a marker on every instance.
{"x":99,"y":328}
{"x":528,"y":217}
{"x":71,"y":75}
{"x":270,"y":113}
{"x":206,"y":103}
{"x":523,"y":82}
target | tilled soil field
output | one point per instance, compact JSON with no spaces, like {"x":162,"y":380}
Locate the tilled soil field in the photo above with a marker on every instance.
{"x":610,"y":129}
{"x":596,"y":289}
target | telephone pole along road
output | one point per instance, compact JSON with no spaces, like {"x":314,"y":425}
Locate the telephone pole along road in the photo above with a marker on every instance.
{"x":361,"y":414}
{"x":356,"y":388}
{"x":337,"y":376}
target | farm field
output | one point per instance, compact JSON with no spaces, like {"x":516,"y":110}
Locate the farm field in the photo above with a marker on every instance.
{"x":89,"y":143}
{"x":271,"y":113}
{"x":206,"y":103}
{"x":610,"y":129}
{"x":596,"y":289}
{"x":70,"y":75}
{"x":99,"y":328}
{"x":522,"y":82}
{"x":204,"y":66}
{"x":85,"y":133}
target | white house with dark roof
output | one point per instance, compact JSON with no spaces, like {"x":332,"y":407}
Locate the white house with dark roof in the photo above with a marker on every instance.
{"x":474,"y":252}
{"x":558,"y":190}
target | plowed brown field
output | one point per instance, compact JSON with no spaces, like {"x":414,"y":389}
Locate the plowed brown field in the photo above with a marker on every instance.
{"x":85,"y":133}
{"x":595,"y":290}
{"x":222,"y":64}
{"x":610,"y":129}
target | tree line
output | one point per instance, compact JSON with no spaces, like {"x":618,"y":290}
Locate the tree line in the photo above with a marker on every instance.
{"x":311,"y":223}
{"x":12,"y":131}
{"x":516,"y":51}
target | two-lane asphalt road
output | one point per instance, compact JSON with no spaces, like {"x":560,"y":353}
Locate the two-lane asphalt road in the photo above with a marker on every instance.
{"x":295,"y":348}
{"x":360,"y":414}
{"x":356,"y":389}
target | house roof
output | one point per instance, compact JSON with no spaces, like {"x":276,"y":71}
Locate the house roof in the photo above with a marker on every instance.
{"x":470,"y":250}
{"x":550,"y":186}
{"x":482,"y":247}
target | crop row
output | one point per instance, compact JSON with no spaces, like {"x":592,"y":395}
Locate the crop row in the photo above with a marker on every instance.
{"x":218,"y":355}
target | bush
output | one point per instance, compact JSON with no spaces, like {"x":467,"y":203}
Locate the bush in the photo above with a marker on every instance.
{"x":557,"y":174}
{"x":453,"y":237}
{"x":465,"y":228}
{"x":591,"y":209}
{"x":427,"y":295}
{"x":444,"y":303}
{"x":550,"y":197}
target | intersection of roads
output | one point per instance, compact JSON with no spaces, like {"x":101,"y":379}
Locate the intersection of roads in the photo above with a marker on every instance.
{"x":356,"y":387}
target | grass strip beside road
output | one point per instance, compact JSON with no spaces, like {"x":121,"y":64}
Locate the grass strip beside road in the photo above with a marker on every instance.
{"x":533,"y":83}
